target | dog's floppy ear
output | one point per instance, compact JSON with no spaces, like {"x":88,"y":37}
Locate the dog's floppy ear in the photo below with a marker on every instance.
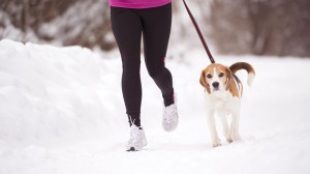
{"x":203,"y":81}
{"x":230,"y":85}
{"x":228,"y":78}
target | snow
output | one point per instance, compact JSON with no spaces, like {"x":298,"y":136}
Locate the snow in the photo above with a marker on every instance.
{"x":61,"y":111}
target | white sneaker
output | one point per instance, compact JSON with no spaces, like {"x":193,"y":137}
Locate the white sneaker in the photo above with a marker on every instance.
{"x":137,"y":139}
{"x":170,"y":117}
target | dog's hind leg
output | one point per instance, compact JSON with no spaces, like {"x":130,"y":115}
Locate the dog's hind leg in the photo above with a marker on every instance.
{"x":211,"y":124}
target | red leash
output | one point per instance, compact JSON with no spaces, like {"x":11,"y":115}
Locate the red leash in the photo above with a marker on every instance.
{"x":199,"y":33}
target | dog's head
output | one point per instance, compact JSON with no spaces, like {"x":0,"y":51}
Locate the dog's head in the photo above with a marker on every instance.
{"x":215,"y":77}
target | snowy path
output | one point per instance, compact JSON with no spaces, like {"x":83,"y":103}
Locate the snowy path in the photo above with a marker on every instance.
{"x":61,"y":111}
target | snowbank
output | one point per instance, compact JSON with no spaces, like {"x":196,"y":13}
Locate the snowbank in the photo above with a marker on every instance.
{"x":47,"y":93}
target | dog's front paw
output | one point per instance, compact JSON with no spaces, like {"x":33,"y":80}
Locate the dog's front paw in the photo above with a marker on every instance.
{"x":216,"y":143}
{"x":235,"y":137}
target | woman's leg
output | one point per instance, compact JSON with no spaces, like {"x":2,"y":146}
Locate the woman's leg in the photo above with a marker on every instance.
{"x":127,"y":29}
{"x":156,"y":32}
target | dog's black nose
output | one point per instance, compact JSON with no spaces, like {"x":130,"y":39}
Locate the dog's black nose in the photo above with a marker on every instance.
{"x":216,"y":84}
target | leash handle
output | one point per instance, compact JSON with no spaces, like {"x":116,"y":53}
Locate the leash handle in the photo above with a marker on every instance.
{"x":199,"y":33}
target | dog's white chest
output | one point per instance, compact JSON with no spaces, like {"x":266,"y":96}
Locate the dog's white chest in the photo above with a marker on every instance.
{"x":222,"y":101}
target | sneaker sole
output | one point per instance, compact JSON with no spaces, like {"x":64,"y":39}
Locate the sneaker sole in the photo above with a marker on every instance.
{"x":131,"y":149}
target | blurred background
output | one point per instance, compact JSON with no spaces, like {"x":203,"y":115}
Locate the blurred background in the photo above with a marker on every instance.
{"x":62,"y":110}
{"x":259,"y":27}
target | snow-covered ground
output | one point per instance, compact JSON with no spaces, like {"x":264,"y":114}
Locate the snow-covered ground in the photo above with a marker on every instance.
{"x":61,"y":111}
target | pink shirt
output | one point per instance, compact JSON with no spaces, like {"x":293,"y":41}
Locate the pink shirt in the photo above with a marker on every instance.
{"x":138,"y":3}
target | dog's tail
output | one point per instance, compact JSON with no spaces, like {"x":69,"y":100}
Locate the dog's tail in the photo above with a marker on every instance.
{"x":243,"y":65}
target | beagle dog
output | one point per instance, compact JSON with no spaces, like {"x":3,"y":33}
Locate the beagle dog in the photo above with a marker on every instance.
{"x":223,"y":91}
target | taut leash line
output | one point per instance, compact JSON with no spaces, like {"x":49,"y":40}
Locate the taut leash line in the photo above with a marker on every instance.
{"x":199,"y":33}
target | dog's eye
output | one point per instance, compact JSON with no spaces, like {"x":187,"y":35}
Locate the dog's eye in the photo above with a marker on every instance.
{"x":221,"y":74}
{"x":209,"y":76}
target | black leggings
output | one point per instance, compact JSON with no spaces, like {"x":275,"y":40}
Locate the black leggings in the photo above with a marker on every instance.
{"x":128,"y":25}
